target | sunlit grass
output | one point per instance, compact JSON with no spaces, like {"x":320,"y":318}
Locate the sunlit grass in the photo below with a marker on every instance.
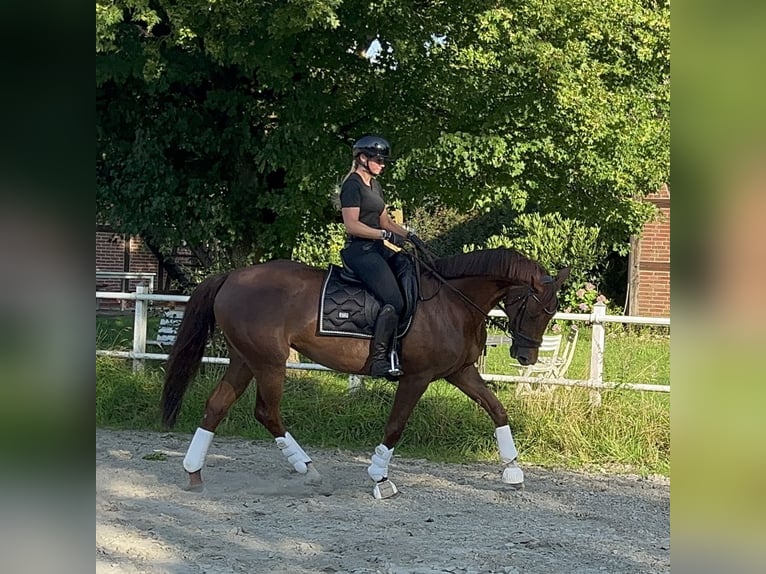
{"x":629,"y":432}
{"x":632,"y":355}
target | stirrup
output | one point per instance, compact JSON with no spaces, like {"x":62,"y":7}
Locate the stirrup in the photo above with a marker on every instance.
{"x":394,"y":369}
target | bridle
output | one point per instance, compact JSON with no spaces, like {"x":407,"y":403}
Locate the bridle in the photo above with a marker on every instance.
{"x":513,"y":329}
{"x":514,"y":325}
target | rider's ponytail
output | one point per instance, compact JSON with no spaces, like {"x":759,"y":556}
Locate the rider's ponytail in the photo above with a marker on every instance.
{"x":338,"y":187}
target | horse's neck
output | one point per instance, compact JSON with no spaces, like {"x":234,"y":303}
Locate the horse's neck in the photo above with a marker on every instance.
{"x":483,"y":293}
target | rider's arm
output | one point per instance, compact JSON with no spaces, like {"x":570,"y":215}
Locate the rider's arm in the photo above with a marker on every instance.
{"x":357,"y":228}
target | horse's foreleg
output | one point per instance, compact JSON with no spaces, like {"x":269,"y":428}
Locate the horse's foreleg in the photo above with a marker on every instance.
{"x":231,"y":386}
{"x":407,"y":395}
{"x":470,"y":382}
{"x":270,"y":384}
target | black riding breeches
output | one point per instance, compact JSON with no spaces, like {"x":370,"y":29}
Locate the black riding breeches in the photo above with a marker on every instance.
{"x":368,"y":259}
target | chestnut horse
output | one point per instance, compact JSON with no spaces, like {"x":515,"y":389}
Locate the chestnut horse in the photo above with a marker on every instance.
{"x":265,"y":310}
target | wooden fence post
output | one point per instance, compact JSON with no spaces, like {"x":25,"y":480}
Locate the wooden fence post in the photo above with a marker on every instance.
{"x":139,"y":328}
{"x":597,"y":351}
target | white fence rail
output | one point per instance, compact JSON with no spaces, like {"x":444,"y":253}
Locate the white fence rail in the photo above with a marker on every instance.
{"x":597,"y":319}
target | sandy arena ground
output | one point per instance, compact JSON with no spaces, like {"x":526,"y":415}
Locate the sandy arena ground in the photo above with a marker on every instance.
{"x":257,"y":516}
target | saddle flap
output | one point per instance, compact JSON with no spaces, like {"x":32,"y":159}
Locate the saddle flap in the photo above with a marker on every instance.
{"x":347,"y":308}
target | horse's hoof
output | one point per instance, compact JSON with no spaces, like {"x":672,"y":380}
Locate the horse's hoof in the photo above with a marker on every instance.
{"x":513,"y":475}
{"x":384,"y":489}
{"x":313,"y":478}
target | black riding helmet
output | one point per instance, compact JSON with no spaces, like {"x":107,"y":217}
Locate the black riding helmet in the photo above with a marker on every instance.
{"x":372,"y":146}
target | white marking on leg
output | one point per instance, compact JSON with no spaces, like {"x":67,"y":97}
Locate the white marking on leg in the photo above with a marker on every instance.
{"x":512,"y":473}
{"x":384,"y":489}
{"x":505,"y":444}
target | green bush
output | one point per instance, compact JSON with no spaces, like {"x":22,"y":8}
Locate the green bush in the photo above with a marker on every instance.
{"x":550,"y":239}
{"x":322,"y":247}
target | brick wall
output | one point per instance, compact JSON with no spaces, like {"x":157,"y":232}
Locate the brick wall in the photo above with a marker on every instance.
{"x":118,"y":252}
{"x":652,"y":262}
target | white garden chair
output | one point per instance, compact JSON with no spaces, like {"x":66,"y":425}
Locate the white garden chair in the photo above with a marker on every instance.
{"x":552,"y":363}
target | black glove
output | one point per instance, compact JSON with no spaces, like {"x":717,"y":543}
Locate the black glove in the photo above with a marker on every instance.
{"x":417,"y":242}
{"x":393,"y":238}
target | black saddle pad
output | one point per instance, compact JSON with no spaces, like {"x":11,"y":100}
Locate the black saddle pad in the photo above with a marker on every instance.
{"x":347,"y":309}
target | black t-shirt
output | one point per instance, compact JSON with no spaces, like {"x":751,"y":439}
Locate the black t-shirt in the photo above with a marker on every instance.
{"x":369,"y":200}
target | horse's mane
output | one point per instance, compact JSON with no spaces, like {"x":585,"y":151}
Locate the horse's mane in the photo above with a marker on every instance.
{"x":500,"y":262}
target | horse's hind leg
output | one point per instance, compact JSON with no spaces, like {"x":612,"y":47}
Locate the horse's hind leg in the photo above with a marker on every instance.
{"x":231,"y":386}
{"x":269,"y":389}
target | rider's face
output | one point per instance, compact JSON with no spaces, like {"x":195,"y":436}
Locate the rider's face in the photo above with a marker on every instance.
{"x":376,"y":164}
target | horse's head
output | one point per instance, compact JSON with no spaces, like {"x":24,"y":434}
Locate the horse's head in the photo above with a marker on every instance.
{"x":530,"y":308}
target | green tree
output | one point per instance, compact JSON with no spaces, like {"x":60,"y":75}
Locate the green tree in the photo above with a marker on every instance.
{"x":217,"y":122}
{"x":553,"y":107}
{"x":553,"y":241}
{"x":229,"y":123}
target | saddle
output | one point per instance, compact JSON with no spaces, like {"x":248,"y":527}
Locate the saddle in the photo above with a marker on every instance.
{"x":348,"y":309}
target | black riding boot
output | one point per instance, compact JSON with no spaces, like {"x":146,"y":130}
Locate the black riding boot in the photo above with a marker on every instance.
{"x":383,"y":336}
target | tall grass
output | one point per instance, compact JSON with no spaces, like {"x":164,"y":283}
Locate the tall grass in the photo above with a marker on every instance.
{"x":629,"y":432}
{"x":114,"y":332}
{"x":631,"y":355}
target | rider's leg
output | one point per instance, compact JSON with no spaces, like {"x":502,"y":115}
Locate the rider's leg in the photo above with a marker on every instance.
{"x":383,"y":336}
{"x":373,"y":269}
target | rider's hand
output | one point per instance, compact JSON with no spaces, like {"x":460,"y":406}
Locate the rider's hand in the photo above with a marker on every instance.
{"x":393,"y":238}
{"x":416,"y":241}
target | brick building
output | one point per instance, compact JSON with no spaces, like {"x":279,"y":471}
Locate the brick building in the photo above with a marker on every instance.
{"x":649,"y":265}
{"x":122,"y":253}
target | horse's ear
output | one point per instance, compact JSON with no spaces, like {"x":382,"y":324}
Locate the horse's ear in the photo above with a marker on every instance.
{"x":562,"y":276}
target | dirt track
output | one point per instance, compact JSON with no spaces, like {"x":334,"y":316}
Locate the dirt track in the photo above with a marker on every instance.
{"x":256,"y":515}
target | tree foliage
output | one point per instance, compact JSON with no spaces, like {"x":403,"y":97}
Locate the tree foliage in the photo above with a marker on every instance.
{"x":553,"y":241}
{"x":228,"y":123}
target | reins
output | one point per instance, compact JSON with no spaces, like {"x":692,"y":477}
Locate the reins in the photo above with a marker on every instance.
{"x":515,"y":333}
{"x":419,"y":260}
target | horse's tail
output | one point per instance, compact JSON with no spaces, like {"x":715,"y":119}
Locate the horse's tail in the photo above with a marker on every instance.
{"x":196,"y":327}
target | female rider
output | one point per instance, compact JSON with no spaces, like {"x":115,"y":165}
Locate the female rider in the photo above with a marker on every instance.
{"x":368,"y":224}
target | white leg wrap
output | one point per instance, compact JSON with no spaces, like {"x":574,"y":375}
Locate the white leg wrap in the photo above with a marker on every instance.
{"x":195,"y":456}
{"x":293,"y":452}
{"x":505,"y":444}
{"x":378,"y":470}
